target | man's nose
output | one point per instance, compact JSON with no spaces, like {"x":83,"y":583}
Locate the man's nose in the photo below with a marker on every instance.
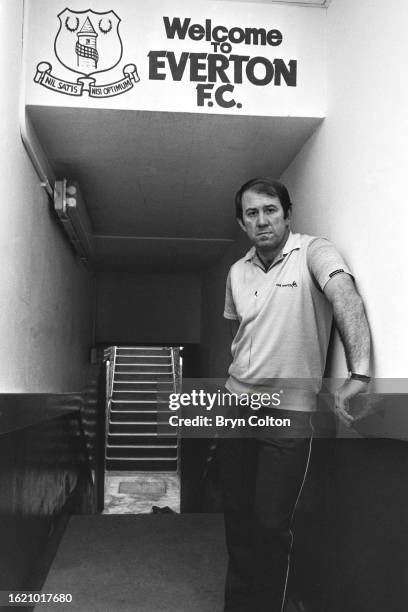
{"x":262,"y":218}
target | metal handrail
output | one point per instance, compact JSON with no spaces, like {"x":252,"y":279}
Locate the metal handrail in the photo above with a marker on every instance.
{"x":177,"y":368}
{"x":176,"y":362}
{"x":173,"y":368}
{"x":110,"y":371}
{"x":180,"y":366}
{"x":180,"y":390}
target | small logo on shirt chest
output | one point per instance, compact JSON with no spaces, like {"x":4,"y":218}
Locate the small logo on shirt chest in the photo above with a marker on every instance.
{"x":293,"y":285}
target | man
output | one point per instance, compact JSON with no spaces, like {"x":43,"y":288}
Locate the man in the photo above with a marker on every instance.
{"x":280,"y":299}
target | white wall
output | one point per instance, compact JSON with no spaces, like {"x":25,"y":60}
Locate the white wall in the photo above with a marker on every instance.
{"x":45,"y":294}
{"x":148,"y":308}
{"x":349,"y":181}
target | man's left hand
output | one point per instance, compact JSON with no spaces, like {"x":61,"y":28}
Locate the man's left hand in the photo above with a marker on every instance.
{"x":342,"y":398}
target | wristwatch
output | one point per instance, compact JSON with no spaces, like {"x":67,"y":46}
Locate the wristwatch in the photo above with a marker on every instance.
{"x":360,"y":377}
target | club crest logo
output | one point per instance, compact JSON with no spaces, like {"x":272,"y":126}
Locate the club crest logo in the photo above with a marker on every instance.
{"x":87,"y":43}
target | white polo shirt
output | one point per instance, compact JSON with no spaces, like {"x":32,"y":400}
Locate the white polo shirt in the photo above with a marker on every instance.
{"x":284,"y":320}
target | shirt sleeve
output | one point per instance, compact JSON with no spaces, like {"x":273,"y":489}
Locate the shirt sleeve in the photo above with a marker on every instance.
{"x":229,"y":308}
{"x":325,"y":261}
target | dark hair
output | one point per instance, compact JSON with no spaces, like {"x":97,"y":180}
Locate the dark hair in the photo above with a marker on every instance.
{"x":267,"y":186}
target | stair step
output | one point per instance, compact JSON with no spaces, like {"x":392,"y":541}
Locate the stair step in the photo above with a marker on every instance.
{"x":160,"y":392}
{"x":128,"y":388}
{"x":134,"y":417}
{"x":120,"y":391}
{"x":141,"y":446}
{"x":133,"y":368}
{"x":140,"y":393}
{"x":139,"y":400}
{"x":157,"y":405}
{"x":132,"y":413}
{"x":147,"y":350}
{"x":141,"y":360}
{"x":156,"y":361}
{"x":137,"y":409}
{"x":127,"y":396}
{"x":137,"y":388}
{"x":137,"y":395}
{"x":142,"y":367}
{"x":142,"y":464}
{"x":134,"y":427}
{"x":163,"y":412}
{"x":159,"y":384}
{"x":142,"y":458}
{"x":132,"y":453}
{"x":147,"y":370}
{"x":140,"y":418}
{"x":141,"y":428}
{"x":141,"y":440}
{"x":138,"y":354}
{"x":156,"y":385}
{"x":145,"y":375}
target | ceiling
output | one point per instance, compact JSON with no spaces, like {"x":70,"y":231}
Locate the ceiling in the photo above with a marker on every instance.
{"x":159,"y":187}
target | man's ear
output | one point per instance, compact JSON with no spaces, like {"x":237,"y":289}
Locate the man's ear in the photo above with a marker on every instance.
{"x":241,"y":225}
{"x":289,"y":216}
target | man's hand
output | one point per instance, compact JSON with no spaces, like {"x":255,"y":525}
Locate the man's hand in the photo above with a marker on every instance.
{"x":342,"y":398}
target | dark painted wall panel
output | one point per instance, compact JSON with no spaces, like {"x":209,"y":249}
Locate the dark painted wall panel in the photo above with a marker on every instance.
{"x":45,"y":473}
{"x":148,"y":308}
{"x":40,"y":468}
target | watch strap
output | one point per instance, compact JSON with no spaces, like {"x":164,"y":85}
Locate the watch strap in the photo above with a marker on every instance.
{"x":360,"y":377}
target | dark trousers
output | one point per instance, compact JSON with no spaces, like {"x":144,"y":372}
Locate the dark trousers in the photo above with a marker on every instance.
{"x":261,"y":479}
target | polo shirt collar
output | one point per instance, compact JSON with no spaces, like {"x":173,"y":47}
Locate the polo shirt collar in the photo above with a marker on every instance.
{"x":292,"y":243}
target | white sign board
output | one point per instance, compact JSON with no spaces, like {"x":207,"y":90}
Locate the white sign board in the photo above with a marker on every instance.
{"x":205,"y":57}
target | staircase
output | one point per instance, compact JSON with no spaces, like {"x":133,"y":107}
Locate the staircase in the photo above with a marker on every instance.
{"x":140,"y":381}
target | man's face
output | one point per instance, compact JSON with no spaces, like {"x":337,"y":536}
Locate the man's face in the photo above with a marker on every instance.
{"x":263,"y":221}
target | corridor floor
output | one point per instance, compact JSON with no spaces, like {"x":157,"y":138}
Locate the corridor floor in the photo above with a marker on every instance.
{"x":140,"y":563}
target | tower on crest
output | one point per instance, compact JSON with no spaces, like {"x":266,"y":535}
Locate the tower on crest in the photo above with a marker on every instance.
{"x":85,"y":47}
